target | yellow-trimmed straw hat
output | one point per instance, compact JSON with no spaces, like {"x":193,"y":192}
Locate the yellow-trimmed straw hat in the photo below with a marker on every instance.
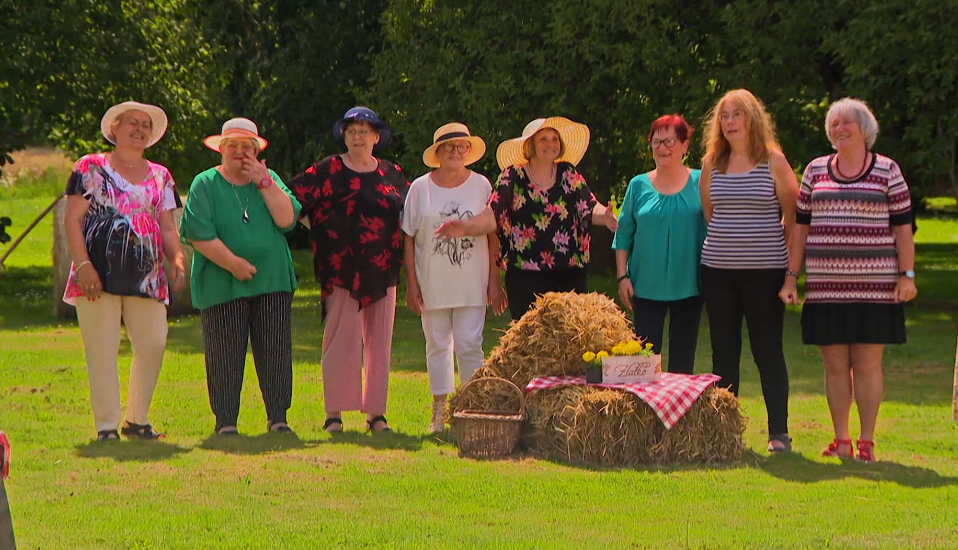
{"x":574,"y":135}
{"x":238,"y":127}
{"x":156,"y":114}
{"x":458,"y":131}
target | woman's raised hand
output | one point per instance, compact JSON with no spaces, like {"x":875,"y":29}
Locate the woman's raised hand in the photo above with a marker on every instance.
{"x":451,"y":229}
{"x":255,"y":170}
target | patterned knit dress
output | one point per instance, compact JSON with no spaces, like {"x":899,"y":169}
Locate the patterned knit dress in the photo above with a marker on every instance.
{"x":851,"y":262}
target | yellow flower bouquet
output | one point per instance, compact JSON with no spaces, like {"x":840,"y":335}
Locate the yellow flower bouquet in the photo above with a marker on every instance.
{"x":627,"y":362}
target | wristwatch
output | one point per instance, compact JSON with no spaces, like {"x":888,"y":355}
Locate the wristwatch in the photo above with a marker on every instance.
{"x":265,"y":182}
{"x":907,"y":273}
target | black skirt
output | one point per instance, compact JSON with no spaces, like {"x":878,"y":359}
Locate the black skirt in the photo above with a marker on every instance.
{"x":828,"y":324}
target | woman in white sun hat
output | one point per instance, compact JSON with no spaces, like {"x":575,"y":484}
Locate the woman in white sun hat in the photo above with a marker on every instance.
{"x":242,"y":276}
{"x":119,"y":226}
{"x":450,"y":280}
{"x":544,"y":211}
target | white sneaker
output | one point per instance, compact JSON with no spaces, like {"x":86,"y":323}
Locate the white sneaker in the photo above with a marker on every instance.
{"x":436,"y":424}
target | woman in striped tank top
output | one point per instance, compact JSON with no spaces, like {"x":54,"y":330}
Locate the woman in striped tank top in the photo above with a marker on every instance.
{"x":748,"y":189}
{"x":854,"y":233}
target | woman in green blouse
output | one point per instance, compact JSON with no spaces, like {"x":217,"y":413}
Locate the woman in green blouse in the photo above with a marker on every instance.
{"x":658,"y":245}
{"x":242,"y":276}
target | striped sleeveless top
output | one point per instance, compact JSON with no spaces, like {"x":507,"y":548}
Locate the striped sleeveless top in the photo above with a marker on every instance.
{"x":746,"y":229}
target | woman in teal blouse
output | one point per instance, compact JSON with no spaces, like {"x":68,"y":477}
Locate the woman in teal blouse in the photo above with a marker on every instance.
{"x":658,"y":246}
{"x":242,"y":276}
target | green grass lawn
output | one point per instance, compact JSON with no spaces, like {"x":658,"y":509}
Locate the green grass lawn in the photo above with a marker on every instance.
{"x":410,"y":490}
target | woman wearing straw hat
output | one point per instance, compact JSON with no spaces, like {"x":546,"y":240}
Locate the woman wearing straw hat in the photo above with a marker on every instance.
{"x":450,"y":280}
{"x":544,"y":211}
{"x":119,"y":225}
{"x":354,"y":204}
{"x":242,"y":276}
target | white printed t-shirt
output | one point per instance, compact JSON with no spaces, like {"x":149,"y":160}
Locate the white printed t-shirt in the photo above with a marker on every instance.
{"x":452,"y":272}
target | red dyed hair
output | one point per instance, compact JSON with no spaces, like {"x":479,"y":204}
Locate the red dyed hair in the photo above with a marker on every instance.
{"x":683,"y":130}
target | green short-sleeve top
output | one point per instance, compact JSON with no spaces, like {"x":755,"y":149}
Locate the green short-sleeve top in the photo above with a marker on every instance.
{"x":214,"y":209}
{"x":663,"y":235}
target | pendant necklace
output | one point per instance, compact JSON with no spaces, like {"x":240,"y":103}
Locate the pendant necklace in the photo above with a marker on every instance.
{"x":245,"y":208}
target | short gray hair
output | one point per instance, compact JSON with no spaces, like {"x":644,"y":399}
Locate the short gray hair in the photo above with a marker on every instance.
{"x":856,"y":110}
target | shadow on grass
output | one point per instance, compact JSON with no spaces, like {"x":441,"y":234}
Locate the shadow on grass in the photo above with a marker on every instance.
{"x":130,"y":451}
{"x":253,"y":445}
{"x":377,"y":441}
{"x":797,"y":468}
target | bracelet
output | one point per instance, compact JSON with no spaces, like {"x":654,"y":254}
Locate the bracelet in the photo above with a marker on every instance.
{"x":81,"y":264}
{"x":792,"y":273}
{"x":626,"y":276}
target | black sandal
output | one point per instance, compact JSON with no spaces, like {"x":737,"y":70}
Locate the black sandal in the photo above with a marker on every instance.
{"x":107,"y":435}
{"x":372,"y":422}
{"x":784,"y":439}
{"x":140,"y":431}
{"x":281,"y":427}
{"x":333,"y":420}
{"x":227,"y":430}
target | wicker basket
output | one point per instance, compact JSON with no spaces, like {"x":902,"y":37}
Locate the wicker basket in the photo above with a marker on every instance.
{"x":489,"y":434}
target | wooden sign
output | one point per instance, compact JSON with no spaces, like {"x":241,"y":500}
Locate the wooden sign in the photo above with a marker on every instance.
{"x":631,"y":369}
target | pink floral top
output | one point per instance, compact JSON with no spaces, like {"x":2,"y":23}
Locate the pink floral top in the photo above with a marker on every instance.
{"x":543,"y":230}
{"x":121,"y":229}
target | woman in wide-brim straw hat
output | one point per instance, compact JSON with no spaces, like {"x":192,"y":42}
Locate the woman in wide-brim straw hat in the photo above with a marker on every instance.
{"x":242,"y":278}
{"x":119,"y":226}
{"x":544,"y":211}
{"x":450,"y":280}
{"x":354,"y":204}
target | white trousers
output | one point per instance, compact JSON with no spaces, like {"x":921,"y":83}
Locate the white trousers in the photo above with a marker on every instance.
{"x":99,"y":321}
{"x":452,"y":330}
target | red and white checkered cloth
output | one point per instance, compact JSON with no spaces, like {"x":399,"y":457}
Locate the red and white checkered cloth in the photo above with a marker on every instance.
{"x":670,"y":398}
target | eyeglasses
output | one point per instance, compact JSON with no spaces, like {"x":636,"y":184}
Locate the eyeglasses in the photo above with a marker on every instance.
{"x":737,"y":114}
{"x":668,"y":142}
{"x":460,"y":147}
{"x":354,"y":132}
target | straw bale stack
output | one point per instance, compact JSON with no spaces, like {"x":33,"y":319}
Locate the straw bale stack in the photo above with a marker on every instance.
{"x":594,"y":425}
{"x":550,"y":338}
{"x":615,"y":428}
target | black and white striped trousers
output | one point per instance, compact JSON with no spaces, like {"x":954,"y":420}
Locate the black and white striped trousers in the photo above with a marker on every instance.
{"x":263,"y":321}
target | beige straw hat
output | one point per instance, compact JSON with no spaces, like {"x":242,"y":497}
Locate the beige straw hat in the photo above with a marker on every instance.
{"x":157,"y":116}
{"x":575,"y":140}
{"x":457,"y":131}
{"x":238,"y":127}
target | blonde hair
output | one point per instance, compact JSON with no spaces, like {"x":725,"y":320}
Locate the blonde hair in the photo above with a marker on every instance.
{"x":856,"y":110}
{"x":529,"y":145}
{"x":761,"y":130}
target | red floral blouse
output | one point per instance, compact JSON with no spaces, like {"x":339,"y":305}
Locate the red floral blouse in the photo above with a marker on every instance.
{"x":354,"y":226}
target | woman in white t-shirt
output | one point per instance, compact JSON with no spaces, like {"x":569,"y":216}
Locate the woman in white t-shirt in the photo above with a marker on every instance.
{"x":450,"y":280}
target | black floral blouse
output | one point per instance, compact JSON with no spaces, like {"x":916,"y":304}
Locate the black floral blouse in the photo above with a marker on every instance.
{"x":543,"y":230}
{"x":354,"y":226}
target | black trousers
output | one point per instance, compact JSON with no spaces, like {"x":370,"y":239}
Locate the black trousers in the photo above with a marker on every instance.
{"x":730,"y":295}
{"x":648,"y":318}
{"x":228,"y":328}
{"x":523,"y":286}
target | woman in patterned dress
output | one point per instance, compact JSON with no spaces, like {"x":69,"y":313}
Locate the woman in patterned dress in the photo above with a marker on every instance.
{"x":353,"y":202}
{"x":854,"y":234}
{"x":748,"y":198}
{"x":544,"y":211}
{"x":119,"y":226}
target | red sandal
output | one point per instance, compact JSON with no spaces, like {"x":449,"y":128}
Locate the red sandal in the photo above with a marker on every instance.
{"x":832,"y":451}
{"x":866,"y":451}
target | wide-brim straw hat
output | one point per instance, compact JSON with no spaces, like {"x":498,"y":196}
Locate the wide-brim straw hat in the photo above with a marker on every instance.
{"x":157,"y":116}
{"x":238,"y":127}
{"x":364,"y":114}
{"x":454,"y":131}
{"x":574,"y":135}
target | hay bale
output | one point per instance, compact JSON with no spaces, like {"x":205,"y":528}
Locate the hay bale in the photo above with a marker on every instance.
{"x":180,"y":303}
{"x":550,"y":338}
{"x":615,"y":428}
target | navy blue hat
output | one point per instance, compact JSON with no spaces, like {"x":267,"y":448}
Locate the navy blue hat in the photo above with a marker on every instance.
{"x":364,"y":114}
